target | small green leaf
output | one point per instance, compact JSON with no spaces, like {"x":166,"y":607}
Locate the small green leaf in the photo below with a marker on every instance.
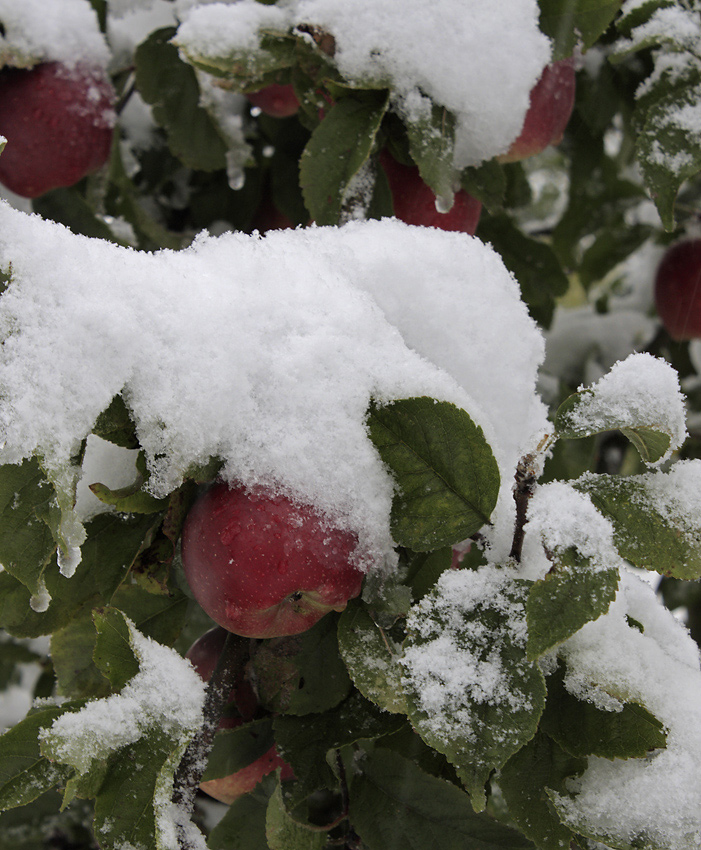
{"x":571,"y":595}
{"x":243,"y":825}
{"x":486,"y":182}
{"x":72,"y":649}
{"x":336,"y":151}
{"x":371,"y":658}
{"x":447,"y":477}
{"x":116,"y":426}
{"x":285,"y":833}
{"x":68,"y":207}
{"x":170,"y":86}
{"x":395,"y":805}
{"x":425,"y":569}
{"x":573,"y":23}
{"x":431,"y":135}
{"x":523,"y":781}
{"x":113,"y":654}
{"x":582,"y":729}
{"x":236,"y":748}
{"x":482,"y":702}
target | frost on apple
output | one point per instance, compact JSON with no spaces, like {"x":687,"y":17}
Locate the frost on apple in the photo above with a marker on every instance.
{"x":410,"y":47}
{"x":222,"y":350}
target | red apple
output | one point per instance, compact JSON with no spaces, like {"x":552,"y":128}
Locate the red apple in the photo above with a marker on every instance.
{"x":415,"y":203}
{"x":58,"y":124}
{"x":275,"y":100}
{"x":552,"y":102}
{"x":204,"y":654}
{"x":678,"y":290}
{"x":262,"y":566}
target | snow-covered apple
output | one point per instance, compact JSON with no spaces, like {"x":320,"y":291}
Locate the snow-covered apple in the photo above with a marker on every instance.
{"x":678,"y":290}
{"x":58,"y":124}
{"x":551,"y":105}
{"x":264,"y":566}
{"x":278,"y":101}
{"x":415,"y":203}
{"x":204,"y":654}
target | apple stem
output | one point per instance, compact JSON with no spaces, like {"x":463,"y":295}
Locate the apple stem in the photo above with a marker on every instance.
{"x":233,"y":657}
{"x":523,"y":491}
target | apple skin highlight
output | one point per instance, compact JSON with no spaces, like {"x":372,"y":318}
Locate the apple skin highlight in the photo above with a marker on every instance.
{"x":58,"y":124}
{"x":678,"y":290}
{"x":262,"y":566}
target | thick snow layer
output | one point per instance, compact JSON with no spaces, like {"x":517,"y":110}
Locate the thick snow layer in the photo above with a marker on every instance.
{"x":264,"y":351}
{"x":63,"y":31}
{"x":658,"y":667}
{"x":480,"y":60}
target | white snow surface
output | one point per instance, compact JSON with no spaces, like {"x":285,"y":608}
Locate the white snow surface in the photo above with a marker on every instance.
{"x":480,"y":60}
{"x":63,"y":31}
{"x":264,"y":351}
{"x":660,"y":669}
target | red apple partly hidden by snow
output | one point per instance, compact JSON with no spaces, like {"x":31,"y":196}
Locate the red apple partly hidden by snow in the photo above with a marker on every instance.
{"x":552,"y":101}
{"x":275,"y":100}
{"x":263,"y":566}
{"x":678,"y":290}
{"x":415,"y":203}
{"x":58,"y":124}
{"x":204,"y":654}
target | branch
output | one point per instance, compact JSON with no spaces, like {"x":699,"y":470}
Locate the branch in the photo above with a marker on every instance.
{"x":234,"y":655}
{"x":525,"y":485}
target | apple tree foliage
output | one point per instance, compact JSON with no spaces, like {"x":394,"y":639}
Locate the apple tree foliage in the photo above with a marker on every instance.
{"x":372,"y":767}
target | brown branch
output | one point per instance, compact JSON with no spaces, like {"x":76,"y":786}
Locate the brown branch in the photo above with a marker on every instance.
{"x":525,"y":485}
{"x":234,"y":655}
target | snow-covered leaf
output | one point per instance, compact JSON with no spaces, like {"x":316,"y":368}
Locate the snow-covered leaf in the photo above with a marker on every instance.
{"x":472,"y":693}
{"x":446,"y":474}
{"x":431,"y":135}
{"x":575,"y":23}
{"x":371,"y":657}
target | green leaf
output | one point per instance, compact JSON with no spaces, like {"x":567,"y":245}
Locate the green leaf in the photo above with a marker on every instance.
{"x":243,"y":825}
{"x":533,"y":263}
{"x":371,"y":658}
{"x":72,"y":649}
{"x":426,"y":568}
{"x":573,"y":23}
{"x":113,"y":653}
{"x":236,"y":748}
{"x":246,"y":69}
{"x":305,"y":741}
{"x":652,"y":528}
{"x":170,"y":86}
{"x":158,"y":617}
{"x":26,"y":542}
{"x":68,"y":207}
{"x":482,"y":702}
{"x":285,"y":833}
{"x":582,"y":729}
{"x":571,"y":595}
{"x":30,"y":827}
{"x":652,"y":439}
{"x":300,"y":674}
{"x":446,"y":474}
{"x":132,"y":499}
{"x":523,"y":781}
{"x":487,"y":183}
{"x":395,"y":805}
{"x":24,"y":773}
{"x":431,"y":135}
{"x":336,"y":151}
{"x":116,"y":426}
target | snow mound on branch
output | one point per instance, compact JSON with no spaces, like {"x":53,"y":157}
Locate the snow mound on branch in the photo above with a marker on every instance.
{"x":63,"y":31}
{"x":265,"y":352}
{"x":480,"y":60}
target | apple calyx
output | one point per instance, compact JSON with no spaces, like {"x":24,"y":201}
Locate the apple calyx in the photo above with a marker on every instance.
{"x":678,"y":290}
{"x":58,"y":122}
{"x":263,"y":566}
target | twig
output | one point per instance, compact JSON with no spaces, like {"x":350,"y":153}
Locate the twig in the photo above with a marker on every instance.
{"x":525,"y":485}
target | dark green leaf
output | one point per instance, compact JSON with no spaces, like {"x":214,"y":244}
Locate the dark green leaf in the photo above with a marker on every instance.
{"x":336,"y":151}
{"x":115,"y":425}
{"x":158,"y":617}
{"x":539,"y":765}
{"x":425,"y":569}
{"x":446,"y":474}
{"x":284,"y":833}
{"x":432,"y":147}
{"x":72,"y":649}
{"x":582,"y":729}
{"x":68,"y":207}
{"x":487,"y":183}
{"x":113,"y":650}
{"x":395,"y":805}
{"x":573,"y":23}
{"x":571,"y":595}
{"x":243,"y":826}
{"x":236,"y":748}
{"x":170,"y":86}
